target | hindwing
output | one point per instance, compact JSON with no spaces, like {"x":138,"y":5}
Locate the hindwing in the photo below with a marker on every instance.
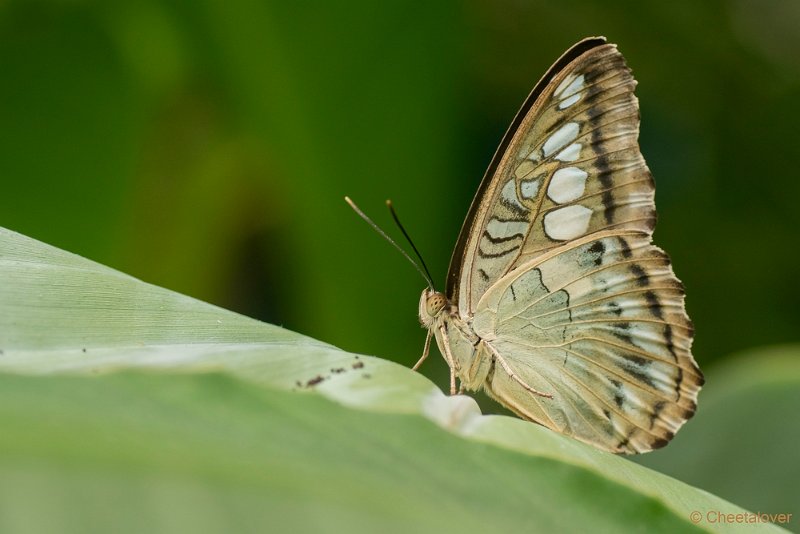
{"x":599,"y":324}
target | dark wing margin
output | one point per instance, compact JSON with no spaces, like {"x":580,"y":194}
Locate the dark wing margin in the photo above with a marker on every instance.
{"x":457,"y":258}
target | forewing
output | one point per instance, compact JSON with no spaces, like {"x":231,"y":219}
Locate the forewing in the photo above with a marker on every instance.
{"x":599,"y":323}
{"x":569,"y":166}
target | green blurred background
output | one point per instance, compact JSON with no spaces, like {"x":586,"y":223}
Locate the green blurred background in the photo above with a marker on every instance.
{"x":206,"y":146}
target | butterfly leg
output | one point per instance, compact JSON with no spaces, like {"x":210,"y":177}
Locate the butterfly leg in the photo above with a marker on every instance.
{"x":449,"y":358}
{"x":425,"y":351}
{"x":514,"y":377}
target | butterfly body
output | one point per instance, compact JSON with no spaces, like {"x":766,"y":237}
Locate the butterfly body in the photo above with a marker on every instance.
{"x":557,"y":303}
{"x":465,"y":351}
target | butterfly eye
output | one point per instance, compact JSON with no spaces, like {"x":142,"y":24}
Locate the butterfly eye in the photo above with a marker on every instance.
{"x":435,"y":303}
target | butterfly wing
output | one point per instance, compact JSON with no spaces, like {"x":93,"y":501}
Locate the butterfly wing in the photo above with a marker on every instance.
{"x":569,"y":165}
{"x":599,"y":323}
{"x":556,"y":271}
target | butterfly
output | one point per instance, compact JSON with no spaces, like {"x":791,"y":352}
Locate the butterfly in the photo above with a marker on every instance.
{"x":557,"y":304}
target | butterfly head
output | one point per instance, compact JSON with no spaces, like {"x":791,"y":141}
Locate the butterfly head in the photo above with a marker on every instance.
{"x":431,"y":304}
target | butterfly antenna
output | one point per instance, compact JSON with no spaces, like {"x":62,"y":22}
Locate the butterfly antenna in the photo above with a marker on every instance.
{"x":425,"y":274}
{"x":410,"y":242}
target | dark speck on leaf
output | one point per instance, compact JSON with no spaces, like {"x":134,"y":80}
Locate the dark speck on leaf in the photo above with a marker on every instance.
{"x":358,"y":365}
{"x":338,"y":370}
{"x":367,"y":375}
{"x":314,"y":381}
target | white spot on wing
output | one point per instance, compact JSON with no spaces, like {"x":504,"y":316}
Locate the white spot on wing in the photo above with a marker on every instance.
{"x":567,"y":184}
{"x":564,"y":83}
{"x":502,"y":229}
{"x":574,"y":87}
{"x":567,"y":102}
{"x":562,"y":137}
{"x":509,"y":193}
{"x":570,"y":153}
{"x":529,"y":188}
{"x":568,"y":222}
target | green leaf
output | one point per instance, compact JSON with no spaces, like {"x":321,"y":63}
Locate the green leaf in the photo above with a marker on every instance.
{"x":205,"y":420}
{"x":742,"y":444}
